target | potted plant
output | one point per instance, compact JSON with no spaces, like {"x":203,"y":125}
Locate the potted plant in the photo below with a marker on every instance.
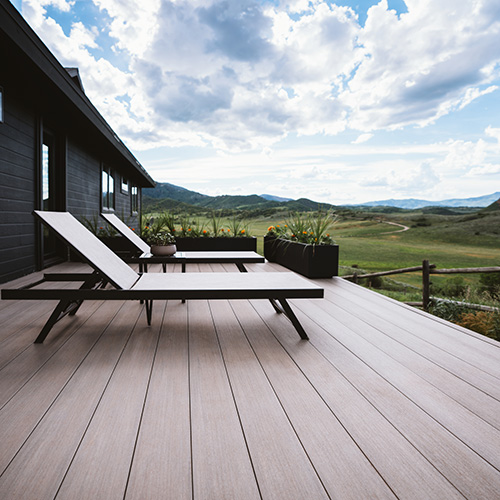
{"x":162,"y":243}
{"x":304,"y":245}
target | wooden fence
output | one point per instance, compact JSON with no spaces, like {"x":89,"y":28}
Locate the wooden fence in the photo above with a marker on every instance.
{"x":428,"y":269}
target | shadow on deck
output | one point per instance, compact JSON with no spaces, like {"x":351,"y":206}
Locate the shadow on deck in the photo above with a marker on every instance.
{"x":222,"y":400}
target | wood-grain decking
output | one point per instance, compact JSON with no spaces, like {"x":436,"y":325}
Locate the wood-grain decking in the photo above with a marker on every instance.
{"x":222,"y":400}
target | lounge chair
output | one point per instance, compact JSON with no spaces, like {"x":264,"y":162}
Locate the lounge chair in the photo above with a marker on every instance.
{"x":238,"y":258}
{"x":125,"y":284}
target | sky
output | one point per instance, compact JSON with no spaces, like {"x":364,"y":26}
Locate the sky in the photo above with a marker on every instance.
{"x":336,"y":101}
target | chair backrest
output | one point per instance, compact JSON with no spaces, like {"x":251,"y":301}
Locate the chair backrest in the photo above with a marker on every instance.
{"x":122,"y":228}
{"x":90,"y":248}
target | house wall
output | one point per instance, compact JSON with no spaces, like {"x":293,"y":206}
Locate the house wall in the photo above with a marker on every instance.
{"x":17,"y":188}
{"x":19,"y":145}
{"x":84,"y":187}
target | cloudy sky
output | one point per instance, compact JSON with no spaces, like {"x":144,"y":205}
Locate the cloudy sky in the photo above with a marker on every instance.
{"x":339,"y":101}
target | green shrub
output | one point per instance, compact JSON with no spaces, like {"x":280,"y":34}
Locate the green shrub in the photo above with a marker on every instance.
{"x":452,"y":287}
{"x":446,"y":310}
{"x":490,"y":283}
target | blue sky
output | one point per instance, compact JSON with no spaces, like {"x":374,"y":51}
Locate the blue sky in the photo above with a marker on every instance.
{"x":336,"y":101}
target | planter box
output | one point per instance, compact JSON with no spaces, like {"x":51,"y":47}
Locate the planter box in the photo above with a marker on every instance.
{"x":312,"y":261}
{"x":216,"y":244}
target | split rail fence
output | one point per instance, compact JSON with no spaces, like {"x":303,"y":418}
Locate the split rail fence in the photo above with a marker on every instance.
{"x":428,"y":269}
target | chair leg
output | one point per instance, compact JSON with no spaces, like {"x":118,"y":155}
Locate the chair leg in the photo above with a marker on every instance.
{"x":291,"y":316}
{"x":276,"y":306}
{"x":69,"y":307}
{"x":56,"y":315}
{"x":149,"y":310}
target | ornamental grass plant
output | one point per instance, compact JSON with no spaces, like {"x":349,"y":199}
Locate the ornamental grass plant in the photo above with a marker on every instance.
{"x":185,"y":226}
{"x":311,"y":229}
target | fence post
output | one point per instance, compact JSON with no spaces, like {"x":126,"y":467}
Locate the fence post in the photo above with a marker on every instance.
{"x":425,"y":284}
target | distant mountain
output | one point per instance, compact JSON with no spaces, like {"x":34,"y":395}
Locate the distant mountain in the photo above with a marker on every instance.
{"x":271,"y":197}
{"x":167,"y":196}
{"x":166,"y":190}
{"x":494,"y":207}
{"x":412,"y":203}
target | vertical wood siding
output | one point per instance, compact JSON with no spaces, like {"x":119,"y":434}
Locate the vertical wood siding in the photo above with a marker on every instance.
{"x":17,"y":193}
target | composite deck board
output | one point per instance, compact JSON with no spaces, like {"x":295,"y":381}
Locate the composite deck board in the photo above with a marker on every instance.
{"x":338,"y":460}
{"x":404,"y":335}
{"x":17,"y":419}
{"x":463,"y":467}
{"x":40,"y":465}
{"x":467,"y":347}
{"x":221,"y":399}
{"x":101,"y":465}
{"x":463,"y":423}
{"x":33,"y":357}
{"x":486,"y":405}
{"x":377,"y":438}
{"x":222,"y":467}
{"x":281,"y":465}
{"x":161,"y":466}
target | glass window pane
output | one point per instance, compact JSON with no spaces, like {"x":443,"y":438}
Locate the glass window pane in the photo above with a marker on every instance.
{"x":104,"y":189}
{"x":45,"y":177}
{"x":111,"y":190}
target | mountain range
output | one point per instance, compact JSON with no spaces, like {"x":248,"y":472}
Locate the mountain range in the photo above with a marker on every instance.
{"x":412,"y":203}
{"x":167,"y":196}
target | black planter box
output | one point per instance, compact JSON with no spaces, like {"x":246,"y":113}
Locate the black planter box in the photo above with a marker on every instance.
{"x":216,"y":244}
{"x":312,"y":261}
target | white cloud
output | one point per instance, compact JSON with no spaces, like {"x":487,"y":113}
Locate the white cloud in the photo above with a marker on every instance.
{"x":242,"y":75}
{"x":407,"y":182}
{"x":493,"y":132}
{"x":487,"y":169}
{"x":362,"y":138}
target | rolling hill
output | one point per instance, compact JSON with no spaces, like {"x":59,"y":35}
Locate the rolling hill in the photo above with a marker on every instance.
{"x":167,"y":196}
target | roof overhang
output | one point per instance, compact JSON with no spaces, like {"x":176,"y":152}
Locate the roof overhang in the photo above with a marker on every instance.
{"x":35,"y":52}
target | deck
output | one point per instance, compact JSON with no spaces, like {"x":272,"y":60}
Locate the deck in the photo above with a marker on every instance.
{"x":222,"y":400}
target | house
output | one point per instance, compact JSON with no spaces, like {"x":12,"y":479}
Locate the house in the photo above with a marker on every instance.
{"x":56,"y":151}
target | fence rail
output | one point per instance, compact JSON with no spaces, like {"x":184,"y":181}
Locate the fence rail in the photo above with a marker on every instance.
{"x":428,"y":269}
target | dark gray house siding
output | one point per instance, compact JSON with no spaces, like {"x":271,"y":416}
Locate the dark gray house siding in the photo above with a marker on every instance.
{"x":51,"y":131}
{"x":17,"y":188}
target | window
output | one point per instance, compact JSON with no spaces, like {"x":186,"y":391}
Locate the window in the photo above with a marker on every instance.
{"x":1,"y":104}
{"x":108,"y":189}
{"x":134,"y":199}
{"x":46,"y":175}
{"x":124,"y":186}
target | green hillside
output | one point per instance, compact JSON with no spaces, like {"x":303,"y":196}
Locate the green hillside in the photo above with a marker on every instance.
{"x":166,"y":196}
{"x":494,"y":207}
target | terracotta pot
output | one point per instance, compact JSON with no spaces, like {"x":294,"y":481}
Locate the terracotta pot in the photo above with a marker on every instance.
{"x":163,"y":249}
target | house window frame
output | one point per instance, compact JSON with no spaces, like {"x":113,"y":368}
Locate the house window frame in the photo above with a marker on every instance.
{"x":134,"y":199}
{"x":124,"y":185}
{"x":108,"y":191}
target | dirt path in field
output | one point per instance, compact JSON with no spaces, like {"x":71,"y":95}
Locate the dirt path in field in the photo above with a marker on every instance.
{"x":404,"y":228}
